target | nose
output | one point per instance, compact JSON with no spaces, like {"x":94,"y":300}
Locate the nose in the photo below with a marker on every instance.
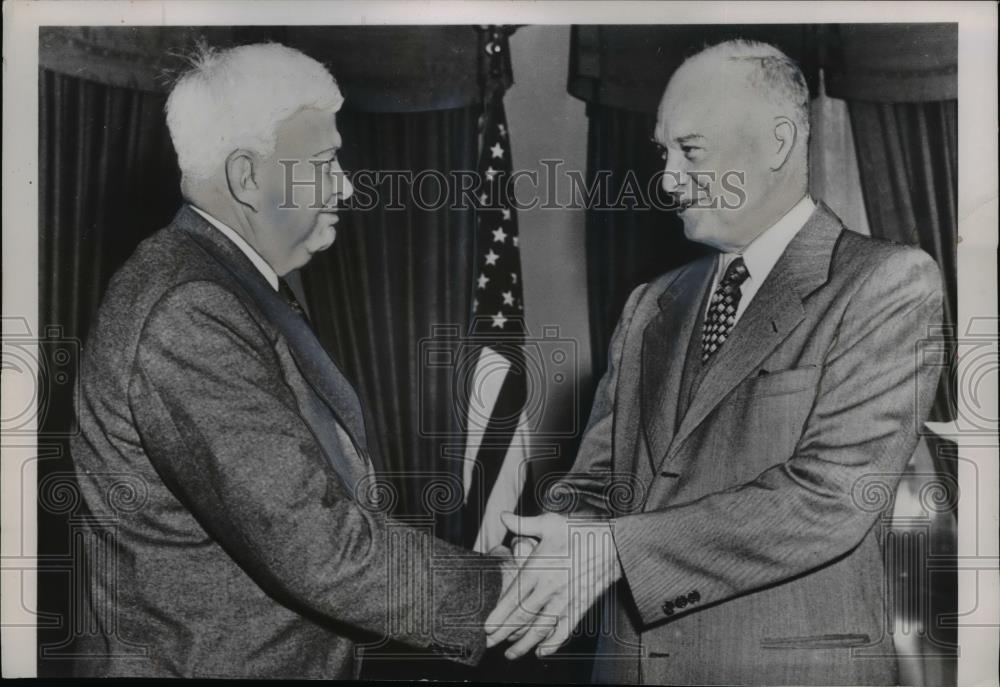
{"x":342,"y":186}
{"x":671,"y":181}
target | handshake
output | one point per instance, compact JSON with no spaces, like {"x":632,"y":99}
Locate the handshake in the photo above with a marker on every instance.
{"x":555,"y":569}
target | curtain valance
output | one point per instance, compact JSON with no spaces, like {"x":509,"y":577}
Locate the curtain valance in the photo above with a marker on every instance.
{"x":628,"y":66}
{"x":894,"y":63}
{"x":379,"y":68}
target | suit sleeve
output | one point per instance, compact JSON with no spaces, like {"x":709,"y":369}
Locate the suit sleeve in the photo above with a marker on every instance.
{"x":584,"y":490}
{"x":222,"y":429}
{"x":874,"y":394}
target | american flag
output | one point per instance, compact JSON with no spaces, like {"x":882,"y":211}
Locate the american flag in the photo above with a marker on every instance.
{"x":495,"y":444}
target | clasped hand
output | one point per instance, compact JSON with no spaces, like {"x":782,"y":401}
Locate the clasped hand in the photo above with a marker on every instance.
{"x":557,"y":568}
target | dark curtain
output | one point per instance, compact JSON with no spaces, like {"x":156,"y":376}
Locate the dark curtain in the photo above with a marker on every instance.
{"x":908,"y":157}
{"x":395,"y":271}
{"x":107,"y":179}
{"x":625,"y":247}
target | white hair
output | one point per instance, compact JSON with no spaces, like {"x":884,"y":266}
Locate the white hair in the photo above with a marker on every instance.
{"x":771,"y":73}
{"x":237,"y":98}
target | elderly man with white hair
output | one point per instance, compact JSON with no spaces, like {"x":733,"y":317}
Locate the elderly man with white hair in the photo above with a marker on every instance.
{"x":753,"y":398}
{"x":248,"y":548}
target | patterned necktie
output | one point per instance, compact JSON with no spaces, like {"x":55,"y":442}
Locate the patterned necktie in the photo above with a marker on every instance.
{"x":285,"y":291}
{"x":722,"y":312}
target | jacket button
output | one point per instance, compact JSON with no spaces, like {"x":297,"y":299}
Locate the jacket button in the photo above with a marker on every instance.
{"x":668,"y":607}
{"x":694,"y":597}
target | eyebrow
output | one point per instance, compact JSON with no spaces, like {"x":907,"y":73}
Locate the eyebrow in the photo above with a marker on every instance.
{"x":689,"y":137}
{"x":331,"y":149}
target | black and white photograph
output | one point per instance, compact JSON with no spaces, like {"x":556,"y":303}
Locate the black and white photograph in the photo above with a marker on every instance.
{"x":564,"y":343}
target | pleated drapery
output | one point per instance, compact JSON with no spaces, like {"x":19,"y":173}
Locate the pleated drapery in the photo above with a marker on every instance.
{"x":908,"y":157}
{"x":394,"y":271}
{"x":107,"y":179}
{"x":625,"y":247}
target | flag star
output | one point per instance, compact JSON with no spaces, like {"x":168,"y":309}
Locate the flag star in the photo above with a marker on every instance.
{"x":500,"y":236}
{"x":497,"y":150}
{"x":502,"y":129}
{"x":475,"y":304}
{"x":508,"y":298}
{"x":482,"y":199}
{"x":483,"y":279}
{"x":499,"y":320}
{"x":515,"y":241}
{"x":490,"y":173}
{"x":513,"y":277}
{"x":491,"y":258}
{"x":505,"y":212}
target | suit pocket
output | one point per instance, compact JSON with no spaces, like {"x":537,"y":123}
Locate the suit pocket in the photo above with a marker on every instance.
{"x":816,"y":642}
{"x":781,"y":382}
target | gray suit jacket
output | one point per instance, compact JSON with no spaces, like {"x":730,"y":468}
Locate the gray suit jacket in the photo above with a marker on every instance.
{"x":747,"y":531}
{"x":228,"y":532}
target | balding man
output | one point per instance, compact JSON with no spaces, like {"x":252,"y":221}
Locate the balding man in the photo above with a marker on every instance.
{"x":246,"y":548}
{"x":750,"y":397}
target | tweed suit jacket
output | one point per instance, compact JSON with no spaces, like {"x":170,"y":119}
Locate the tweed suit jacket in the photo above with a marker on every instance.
{"x":748,"y":538}
{"x":245,"y":546}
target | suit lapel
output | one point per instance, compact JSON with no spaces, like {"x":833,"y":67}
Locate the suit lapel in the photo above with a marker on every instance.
{"x":664,"y":346}
{"x":316,"y":366}
{"x":776,"y":310}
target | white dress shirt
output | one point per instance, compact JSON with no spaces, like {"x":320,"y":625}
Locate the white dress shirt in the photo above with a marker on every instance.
{"x":241,"y":243}
{"x":762,"y":254}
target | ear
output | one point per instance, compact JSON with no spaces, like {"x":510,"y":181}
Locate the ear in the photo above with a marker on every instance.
{"x":785,"y":134}
{"x":241,"y":178}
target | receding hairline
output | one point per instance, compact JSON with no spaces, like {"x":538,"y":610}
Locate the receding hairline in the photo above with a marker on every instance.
{"x":743,"y":61}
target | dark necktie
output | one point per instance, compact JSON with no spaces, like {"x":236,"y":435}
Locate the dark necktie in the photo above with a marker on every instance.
{"x":285,"y":291}
{"x":722,"y":312}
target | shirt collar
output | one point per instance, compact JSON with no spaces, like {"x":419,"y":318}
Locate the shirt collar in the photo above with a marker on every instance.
{"x":241,"y":243}
{"x":763,"y":252}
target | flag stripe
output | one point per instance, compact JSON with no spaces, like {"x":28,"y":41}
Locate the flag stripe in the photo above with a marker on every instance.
{"x":497,"y":317}
{"x":493,"y":450}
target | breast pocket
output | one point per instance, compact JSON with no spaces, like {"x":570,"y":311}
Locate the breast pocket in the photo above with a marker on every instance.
{"x":767,"y":383}
{"x":761,"y":422}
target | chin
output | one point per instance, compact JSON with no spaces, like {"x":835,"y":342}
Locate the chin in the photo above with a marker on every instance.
{"x":703,"y":233}
{"x":693,"y":230}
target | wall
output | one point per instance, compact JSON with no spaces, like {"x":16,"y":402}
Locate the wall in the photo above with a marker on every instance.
{"x":546,"y":123}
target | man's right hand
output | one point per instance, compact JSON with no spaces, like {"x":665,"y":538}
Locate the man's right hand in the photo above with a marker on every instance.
{"x":511,"y":561}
